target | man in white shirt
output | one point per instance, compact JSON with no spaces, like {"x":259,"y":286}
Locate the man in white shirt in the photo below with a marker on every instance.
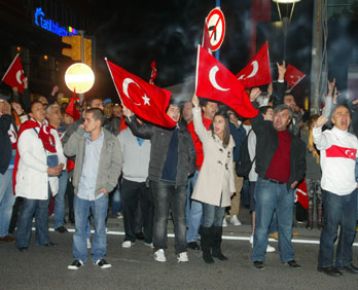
{"x":338,"y":150}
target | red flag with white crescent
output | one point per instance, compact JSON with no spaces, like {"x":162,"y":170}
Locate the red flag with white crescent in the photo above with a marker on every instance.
{"x":147,"y":101}
{"x":14,"y":76}
{"x":215,"y":82}
{"x":293,"y":76}
{"x":257,"y":72}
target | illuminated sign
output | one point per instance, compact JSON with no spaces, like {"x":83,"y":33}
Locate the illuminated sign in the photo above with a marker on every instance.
{"x":52,"y":26}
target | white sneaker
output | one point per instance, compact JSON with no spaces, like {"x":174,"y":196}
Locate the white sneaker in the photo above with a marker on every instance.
{"x":150,"y":245}
{"x":224,"y":223}
{"x":235,"y":221}
{"x":270,"y":249}
{"x":89,"y":245}
{"x":251,"y":241}
{"x":183,"y":257}
{"x":159,"y":256}
{"x":127,"y":244}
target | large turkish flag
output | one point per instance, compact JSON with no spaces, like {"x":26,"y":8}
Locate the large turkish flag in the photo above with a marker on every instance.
{"x":215,"y":82}
{"x":257,"y":72}
{"x":147,"y":101}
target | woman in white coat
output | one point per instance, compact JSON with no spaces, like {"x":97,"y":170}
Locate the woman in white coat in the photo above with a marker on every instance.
{"x":215,"y":184}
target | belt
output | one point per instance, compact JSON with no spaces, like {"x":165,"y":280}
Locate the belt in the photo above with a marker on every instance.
{"x":274,"y":181}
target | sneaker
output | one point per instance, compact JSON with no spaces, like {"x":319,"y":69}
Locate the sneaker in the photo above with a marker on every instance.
{"x":89,"y":245}
{"x":61,"y":230}
{"x":251,"y":240}
{"x":127,"y":244}
{"x":183,"y":257}
{"x":103,"y":264}
{"x":270,"y":249}
{"x":150,"y":245}
{"x":159,"y":256}
{"x":76,"y":264}
{"x":224,"y":223}
{"x":235,"y":221}
{"x":194,"y":246}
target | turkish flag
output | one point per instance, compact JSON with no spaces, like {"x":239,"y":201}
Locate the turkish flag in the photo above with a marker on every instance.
{"x":302,"y":195}
{"x":14,"y":76}
{"x":257,"y":72}
{"x":71,"y":107}
{"x":205,"y":43}
{"x":341,"y":152}
{"x":147,"y":101}
{"x":293,"y":76}
{"x":215,"y":82}
{"x":154,"y":72}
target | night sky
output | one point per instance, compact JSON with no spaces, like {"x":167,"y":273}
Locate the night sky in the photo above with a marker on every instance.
{"x":133,"y":33}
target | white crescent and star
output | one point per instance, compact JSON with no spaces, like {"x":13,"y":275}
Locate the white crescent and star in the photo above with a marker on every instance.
{"x":125,"y":85}
{"x":212,"y":79}
{"x":18,"y":76}
{"x":349,"y":153}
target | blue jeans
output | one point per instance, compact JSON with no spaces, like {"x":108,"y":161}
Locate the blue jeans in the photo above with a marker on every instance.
{"x":7,"y":200}
{"x":271,"y":197}
{"x":166,"y":195}
{"x":60,"y":199}
{"x":213,"y":215}
{"x":194,"y":211}
{"x":30,"y":208}
{"x":337,"y":211}
{"x":82,"y":209}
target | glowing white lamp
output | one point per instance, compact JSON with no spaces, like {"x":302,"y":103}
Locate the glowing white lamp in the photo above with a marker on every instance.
{"x":79,"y":77}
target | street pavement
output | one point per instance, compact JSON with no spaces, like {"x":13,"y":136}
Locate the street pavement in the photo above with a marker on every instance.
{"x":134,"y":268}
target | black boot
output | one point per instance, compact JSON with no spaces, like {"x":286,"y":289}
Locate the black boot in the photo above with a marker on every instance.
{"x":206,"y":241}
{"x":217,"y":238}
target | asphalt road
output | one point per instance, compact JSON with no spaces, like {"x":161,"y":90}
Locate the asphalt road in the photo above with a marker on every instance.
{"x":134,"y":268}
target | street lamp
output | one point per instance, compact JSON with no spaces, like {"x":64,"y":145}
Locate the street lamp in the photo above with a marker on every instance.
{"x":285,"y":10}
{"x":79,"y":77}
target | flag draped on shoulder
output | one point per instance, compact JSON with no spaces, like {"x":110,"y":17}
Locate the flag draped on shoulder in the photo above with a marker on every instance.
{"x":257,"y":72}
{"x":14,"y":76}
{"x":215,"y":82}
{"x":147,"y":101}
{"x":293,"y":76}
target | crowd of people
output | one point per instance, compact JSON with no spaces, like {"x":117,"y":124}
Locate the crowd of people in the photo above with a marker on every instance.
{"x":99,"y":153}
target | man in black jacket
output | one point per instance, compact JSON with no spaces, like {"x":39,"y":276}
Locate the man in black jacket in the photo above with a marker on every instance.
{"x":280,"y":164}
{"x":171,"y":162}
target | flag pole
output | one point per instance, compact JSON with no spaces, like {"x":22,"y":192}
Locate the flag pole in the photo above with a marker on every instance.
{"x":10,"y":66}
{"x":217,"y":53}
{"x":119,"y":95}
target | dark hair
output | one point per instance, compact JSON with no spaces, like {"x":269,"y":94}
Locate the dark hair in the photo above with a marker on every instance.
{"x":34,"y":103}
{"x":97,"y":114}
{"x":204,"y":102}
{"x":263,"y":110}
{"x":91,"y":99}
{"x":226,"y":136}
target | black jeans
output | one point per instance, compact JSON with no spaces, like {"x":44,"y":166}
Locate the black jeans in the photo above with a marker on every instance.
{"x":133,"y":193}
{"x":167,"y":195}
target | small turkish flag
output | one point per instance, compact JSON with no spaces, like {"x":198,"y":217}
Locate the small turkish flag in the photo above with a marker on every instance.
{"x":14,"y":76}
{"x":302,"y":194}
{"x":293,"y":76}
{"x":215,"y":82}
{"x":147,"y":101}
{"x":257,"y":72}
{"x":71,"y":107}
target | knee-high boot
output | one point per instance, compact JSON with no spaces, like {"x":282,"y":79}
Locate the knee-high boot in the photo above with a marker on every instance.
{"x":217,"y":238}
{"x":206,"y":243}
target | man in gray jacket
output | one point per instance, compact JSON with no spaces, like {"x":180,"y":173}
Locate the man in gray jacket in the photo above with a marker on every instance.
{"x":98,"y":166}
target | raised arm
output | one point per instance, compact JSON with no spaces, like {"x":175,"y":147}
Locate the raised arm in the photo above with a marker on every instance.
{"x":319,"y":138}
{"x":199,"y":128}
{"x":139,"y":129}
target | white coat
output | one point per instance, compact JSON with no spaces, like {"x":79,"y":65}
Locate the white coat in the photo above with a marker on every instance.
{"x":32,"y":180}
{"x":215,"y":183}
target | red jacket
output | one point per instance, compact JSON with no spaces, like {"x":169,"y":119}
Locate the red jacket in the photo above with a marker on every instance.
{"x":197,"y":143}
